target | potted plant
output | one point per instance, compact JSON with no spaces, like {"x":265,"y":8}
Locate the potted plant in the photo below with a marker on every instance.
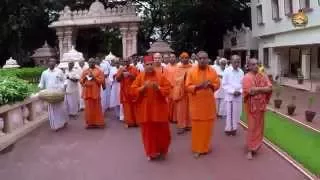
{"x":277,"y":101}
{"x":300,"y":76}
{"x":309,"y":113}
{"x":292,"y":107}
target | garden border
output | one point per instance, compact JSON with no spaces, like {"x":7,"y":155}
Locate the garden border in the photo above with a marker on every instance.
{"x":285,"y":156}
{"x":292,"y":119}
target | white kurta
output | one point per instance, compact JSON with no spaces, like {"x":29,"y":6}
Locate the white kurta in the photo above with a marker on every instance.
{"x":115,"y":88}
{"x":80,"y":88}
{"x":231,"y":82}
{"x":140,"y":67}
{"x":105,"y":94}
{"x":219,"y":94}
{"x":54,"y":79}
{"x":72,"y":99}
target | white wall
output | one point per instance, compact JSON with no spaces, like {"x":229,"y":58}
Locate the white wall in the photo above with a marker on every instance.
{"x":272,"y":27}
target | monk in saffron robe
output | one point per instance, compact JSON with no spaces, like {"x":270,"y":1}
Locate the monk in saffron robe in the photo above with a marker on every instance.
{"x":151,"y":90}
{"x":202,"y":81}
{"x":92,"y":80}
{"x":169,"y":74}
{"x":159,"y":66}
{"x":126,"y":75}
{"x":180,"y":95}
{"x":257,"y":92}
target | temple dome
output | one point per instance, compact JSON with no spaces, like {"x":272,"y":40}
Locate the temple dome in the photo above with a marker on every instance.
{"x":97,"y":8}
{"x":110,"y":57}
{"x":44,"y":51}
{"x":160,"y":47}
{"x":11,"y":63}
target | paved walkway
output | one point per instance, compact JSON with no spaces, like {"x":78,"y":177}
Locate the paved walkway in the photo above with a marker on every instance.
{"x":302,"y":98}
{"x":117,"y":154}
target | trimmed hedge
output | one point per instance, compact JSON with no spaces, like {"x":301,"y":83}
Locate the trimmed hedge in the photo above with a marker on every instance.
{"x":31,"y":75}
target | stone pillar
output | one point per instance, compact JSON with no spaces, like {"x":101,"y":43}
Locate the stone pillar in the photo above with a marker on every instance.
{"x":275,"y":62}
{"x":129,"y":44}
{"x":305,"y":62}
{"x":68,"y":36}
{"x":60,"y":35}
{"x":134,"y":33}
{"x":124,"y":33}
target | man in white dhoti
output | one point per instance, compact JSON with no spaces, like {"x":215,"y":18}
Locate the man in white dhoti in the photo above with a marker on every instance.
{"x":232,"y":85}
{"x":115,"y":88}
{"x":53,"y":78}
{"x":72,"y":98}
{"x":83,"y":66}
{"x":220,"y":94}
{"x":105,"y":92}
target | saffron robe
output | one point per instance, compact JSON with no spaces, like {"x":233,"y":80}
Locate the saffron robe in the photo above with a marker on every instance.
{"x":153,"y":108}
{"x":91,"y":95}
{"x":126,"y":98}
{"x":170,"y":75}
{"x":202,"y":107}
{"x":255,"y":107}
{"x":180,"y":96}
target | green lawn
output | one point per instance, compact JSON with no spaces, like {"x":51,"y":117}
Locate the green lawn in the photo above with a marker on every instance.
{"x":300,"y":143}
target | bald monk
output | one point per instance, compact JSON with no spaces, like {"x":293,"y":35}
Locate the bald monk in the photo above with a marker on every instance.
{"x":169,"y":74}
{"x":180,"y":95}
{"x":159,"y":66}
{"x":257,"y":91}
{"x":92,"y":80}
{"x":126,"y":75}
{"x":202,"y":81}
{"x":151,"y":90}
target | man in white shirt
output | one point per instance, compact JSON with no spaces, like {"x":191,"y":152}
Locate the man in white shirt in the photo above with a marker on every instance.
{"x":115,"y":88}
{"x":83,"y":66}
{"x":232,"y":85}
{"x":105,"y":93}
{"x":220,"y":93}
{"x":72,"y":90}
{"x":53,"y":78}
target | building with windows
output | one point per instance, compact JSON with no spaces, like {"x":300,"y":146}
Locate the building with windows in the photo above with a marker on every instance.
{"x":289,"y":40}
{"x":239,"y":41}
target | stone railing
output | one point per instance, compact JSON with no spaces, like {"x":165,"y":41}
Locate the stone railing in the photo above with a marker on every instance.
{"x":19,"y":119}
{"x":67,"y":14}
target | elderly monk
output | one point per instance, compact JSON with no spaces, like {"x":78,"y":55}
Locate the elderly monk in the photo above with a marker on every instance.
{"x":92,"y":80}
{"x":169,"y":74}
{"x":159,"y":67}
{"x":151,"y":90}
{"x":180,"y":95}
{"x":202,"y":81}
{"x":257,"y":91}
{"x":126,"y":75}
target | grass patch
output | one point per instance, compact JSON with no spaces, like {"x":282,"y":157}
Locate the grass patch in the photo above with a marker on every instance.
{"x":300,"y":143}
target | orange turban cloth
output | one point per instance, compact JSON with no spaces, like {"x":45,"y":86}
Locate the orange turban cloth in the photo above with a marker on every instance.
{"x":147,"y":59}
{"x":184,"y":55}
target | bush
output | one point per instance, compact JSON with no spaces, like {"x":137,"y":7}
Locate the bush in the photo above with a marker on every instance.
{"x":31,"y":75}
{"x":13,"y":89}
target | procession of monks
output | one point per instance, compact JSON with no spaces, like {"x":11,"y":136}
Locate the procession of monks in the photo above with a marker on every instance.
{"x":182,"y":91}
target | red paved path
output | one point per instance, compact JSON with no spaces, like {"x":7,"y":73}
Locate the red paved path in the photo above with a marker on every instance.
{"x":117,"y":154}
{"x":301,"y":103}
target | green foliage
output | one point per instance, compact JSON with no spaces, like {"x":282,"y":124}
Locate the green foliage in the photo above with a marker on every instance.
{"x":32,"y":75}
{"x":300,"y":143}
{"x":13,"y":89}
